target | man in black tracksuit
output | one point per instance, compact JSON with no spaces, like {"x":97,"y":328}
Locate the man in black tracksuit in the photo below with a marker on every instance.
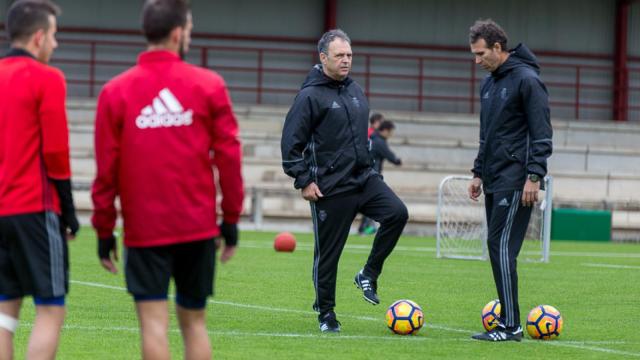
{"x":325,"y":149}
{"x":515,"y":142}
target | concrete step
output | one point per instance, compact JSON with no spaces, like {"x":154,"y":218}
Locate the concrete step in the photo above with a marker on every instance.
{"x":429,"y":152}
{"x":414,"y":125}
{"x":577,"y":186}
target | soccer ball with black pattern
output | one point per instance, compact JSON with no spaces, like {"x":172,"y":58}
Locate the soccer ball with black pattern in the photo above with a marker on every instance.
{"x":544,"y":322}
{"x":405,"y":317}
{"x":491,"y":314}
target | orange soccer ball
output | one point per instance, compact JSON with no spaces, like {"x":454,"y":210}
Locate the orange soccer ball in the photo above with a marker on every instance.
{"x":544,"y":322}
{"x":405,"y":317}
{"x":285,"y":241}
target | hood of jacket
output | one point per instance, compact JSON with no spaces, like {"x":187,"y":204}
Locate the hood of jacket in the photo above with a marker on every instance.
{"x":520,"y":56}
{"x":317,"y":77}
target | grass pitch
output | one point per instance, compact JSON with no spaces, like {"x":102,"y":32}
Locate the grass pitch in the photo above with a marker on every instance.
{"x":262,"y":307}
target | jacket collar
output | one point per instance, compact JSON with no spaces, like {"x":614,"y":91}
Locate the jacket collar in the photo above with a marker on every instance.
{"x":157,"y":55}
{"x":14,"y":52}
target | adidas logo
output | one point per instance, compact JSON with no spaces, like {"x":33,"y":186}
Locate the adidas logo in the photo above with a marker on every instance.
{"x":335,"y":105}
{"x":503,"y":202}
{"x":164,"y":111}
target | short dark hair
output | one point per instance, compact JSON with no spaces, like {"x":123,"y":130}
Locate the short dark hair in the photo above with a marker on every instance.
{"x":159,"y":17}
{"x":375,"y":117}
{"x":490,"y":31}
{"x":26,"y":17}
{"x":386,"y":125}
{"x":328,"y":37}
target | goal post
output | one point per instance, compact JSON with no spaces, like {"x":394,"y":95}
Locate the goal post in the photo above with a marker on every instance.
{"x":462,"y":227}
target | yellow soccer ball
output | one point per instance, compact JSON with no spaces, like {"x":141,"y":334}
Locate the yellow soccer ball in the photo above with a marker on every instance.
{"x":405,"y":317}
{"x":544,"y":322}
{"x":491,"y":314}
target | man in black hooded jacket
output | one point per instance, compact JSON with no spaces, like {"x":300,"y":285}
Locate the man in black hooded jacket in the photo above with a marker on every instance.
{"x":325,"y":149}
{"x":515,"y":142}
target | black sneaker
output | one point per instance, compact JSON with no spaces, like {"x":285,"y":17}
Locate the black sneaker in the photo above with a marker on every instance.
{"x":328,"y":322}
{"x":368,"y":288}
{"x":500,"y":334}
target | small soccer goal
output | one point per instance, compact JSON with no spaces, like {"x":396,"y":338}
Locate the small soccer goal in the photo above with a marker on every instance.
{"x":462,"y":226}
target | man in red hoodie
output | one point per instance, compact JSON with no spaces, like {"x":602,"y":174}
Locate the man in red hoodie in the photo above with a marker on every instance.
{"x":160,"y":126}
{"x":37,"y":215}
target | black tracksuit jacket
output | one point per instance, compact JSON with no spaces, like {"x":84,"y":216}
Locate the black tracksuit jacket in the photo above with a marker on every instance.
{"x":380,"y":152}
{"x":324,"y":138}
{"x":515,"y":126}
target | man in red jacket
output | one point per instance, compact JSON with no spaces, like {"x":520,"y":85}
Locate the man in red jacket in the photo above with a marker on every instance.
{"x":37,"y":215}
{"x":160,"y":126}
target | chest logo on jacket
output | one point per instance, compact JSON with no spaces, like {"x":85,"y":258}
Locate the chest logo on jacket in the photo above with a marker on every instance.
{"x":355,"y":101}
{"x":164,"y":111}
{"x":335,"y":105}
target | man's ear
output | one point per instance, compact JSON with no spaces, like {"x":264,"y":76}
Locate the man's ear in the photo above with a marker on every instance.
{"x":175,"y":35}
{"x":498,"y":47}
{"x":323,"y":58}
{"x":38,"y":38}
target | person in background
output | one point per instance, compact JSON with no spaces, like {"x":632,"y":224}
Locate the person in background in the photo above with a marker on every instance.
{"x":374,"y":121}
{"x":37,"y":214}
{"x":379,"y":152}
{"x":160,"y":126}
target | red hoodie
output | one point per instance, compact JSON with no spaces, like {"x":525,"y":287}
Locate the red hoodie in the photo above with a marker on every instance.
{"x":160,"y":126}
{"x":34,"y":137}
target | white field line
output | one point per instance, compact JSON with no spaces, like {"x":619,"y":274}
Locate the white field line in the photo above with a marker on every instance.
{"x":358,"y":248}
{"x":571,"y":344}
{"x":612,"y":266}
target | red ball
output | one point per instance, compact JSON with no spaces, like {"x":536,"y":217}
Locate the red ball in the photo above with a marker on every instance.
{"x":285,"y":241}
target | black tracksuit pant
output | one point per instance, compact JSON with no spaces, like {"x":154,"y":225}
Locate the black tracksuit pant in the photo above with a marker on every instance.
{"x":332,"y":219}
{"x":507,"y":223}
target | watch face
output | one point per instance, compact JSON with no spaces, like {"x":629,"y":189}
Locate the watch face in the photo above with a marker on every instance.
{"x":534,"y":177}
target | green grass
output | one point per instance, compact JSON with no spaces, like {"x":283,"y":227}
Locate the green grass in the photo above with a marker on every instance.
{"x":262,"y":307}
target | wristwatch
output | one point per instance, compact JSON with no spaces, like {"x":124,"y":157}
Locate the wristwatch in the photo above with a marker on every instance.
{"x":533,"y":177}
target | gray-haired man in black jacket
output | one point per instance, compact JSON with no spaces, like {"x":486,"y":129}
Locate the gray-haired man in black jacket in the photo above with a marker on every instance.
{"x":325,"y":149}
{"x":515,"y":142}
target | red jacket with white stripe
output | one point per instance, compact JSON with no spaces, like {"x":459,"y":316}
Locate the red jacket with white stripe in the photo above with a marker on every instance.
{"x":34,"y":137}
{"x":160,"y":126}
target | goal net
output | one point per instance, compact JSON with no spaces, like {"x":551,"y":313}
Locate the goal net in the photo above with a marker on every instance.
{"x":462,"y":226}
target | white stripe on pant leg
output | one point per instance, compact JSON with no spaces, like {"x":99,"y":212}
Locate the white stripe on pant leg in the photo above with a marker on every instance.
{"x":501,"y":265}
{"x":507,"y":235}
{"x":316,"y":259}
{"x":504,"y":258}
{"x":56,"y":254}
{"x":516,"y":201}
{"x":512,"y":211}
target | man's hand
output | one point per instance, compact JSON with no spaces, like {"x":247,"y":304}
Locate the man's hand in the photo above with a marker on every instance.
{"x":108,"y":253}
{"x":69,"y":224}
{"x":228,"y":251}
{"x":530,"y":193}
{"x":230,"y":234}
{"x":311,"y":192}
{"x":475,"y":188}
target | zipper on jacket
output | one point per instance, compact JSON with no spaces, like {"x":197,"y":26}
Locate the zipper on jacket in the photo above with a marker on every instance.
{"x":314,"y":160}
{"x":353,"y":137}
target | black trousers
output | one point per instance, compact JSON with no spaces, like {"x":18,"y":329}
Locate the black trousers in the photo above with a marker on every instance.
{"x":507,"y":223}
{"x":332,"y":219}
